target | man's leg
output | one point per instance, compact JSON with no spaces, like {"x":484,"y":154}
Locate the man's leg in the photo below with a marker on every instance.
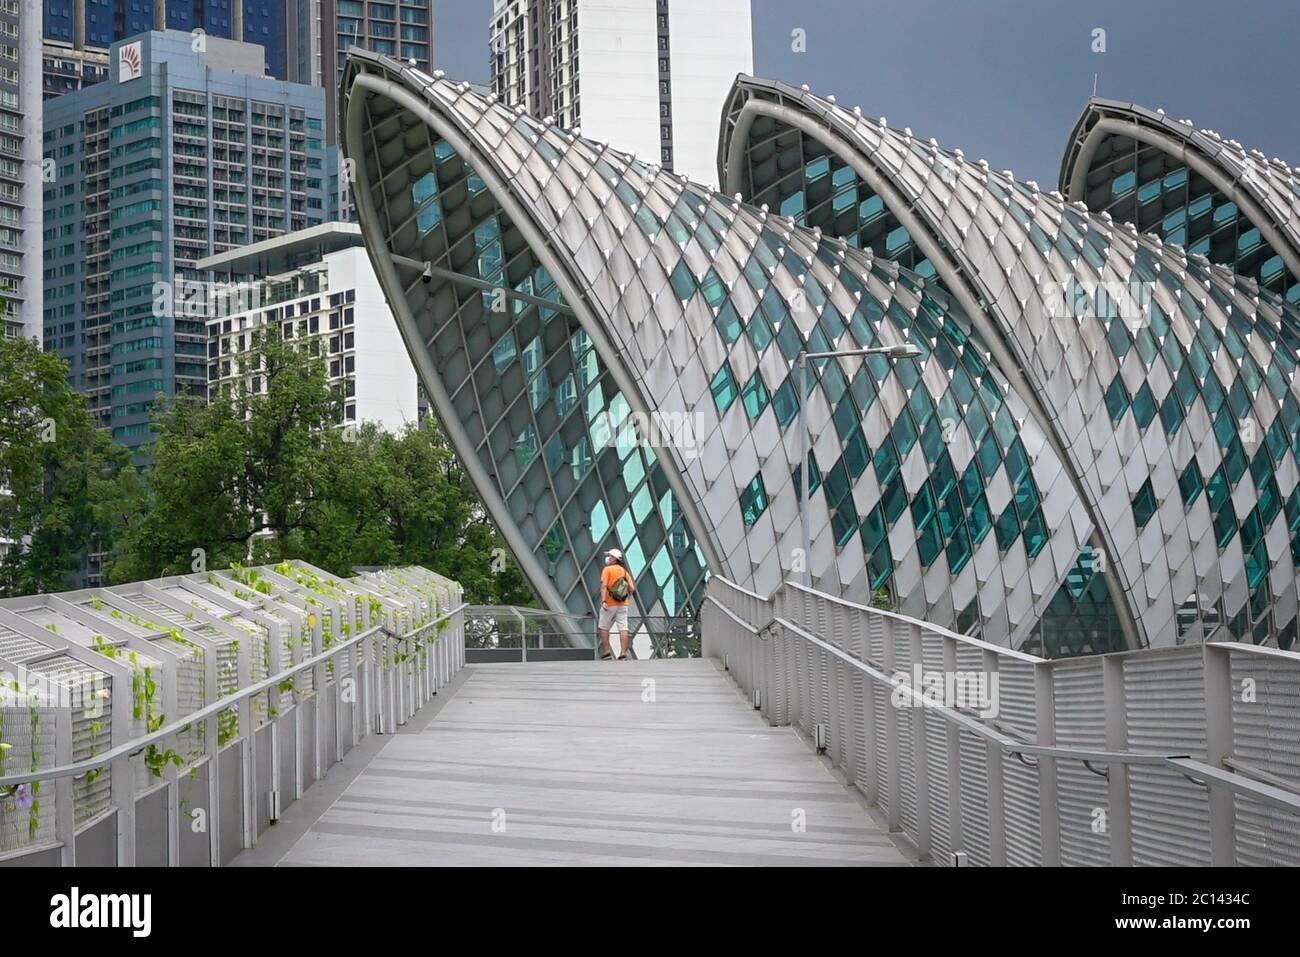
{"x":604,"y":640}
{"x":621,"y":622}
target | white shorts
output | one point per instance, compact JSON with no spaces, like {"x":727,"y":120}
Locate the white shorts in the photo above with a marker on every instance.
{"x":613,"y":618}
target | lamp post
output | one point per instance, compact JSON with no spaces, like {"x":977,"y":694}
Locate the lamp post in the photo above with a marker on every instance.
{"x":893,"y":353}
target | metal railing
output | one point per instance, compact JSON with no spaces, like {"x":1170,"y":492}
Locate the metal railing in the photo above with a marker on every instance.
{"x":203,"y":804}
{"x":979,"y":754}
{"x":512,"y":633}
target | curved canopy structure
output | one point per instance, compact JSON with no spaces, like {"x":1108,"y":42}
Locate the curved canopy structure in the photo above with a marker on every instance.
{"x":1191,"y":187}
{"x":1126,"y":345}
{"x":560,"y":299}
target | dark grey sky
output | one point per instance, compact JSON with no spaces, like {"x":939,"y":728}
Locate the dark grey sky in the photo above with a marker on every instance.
{"x":1005,"y":79}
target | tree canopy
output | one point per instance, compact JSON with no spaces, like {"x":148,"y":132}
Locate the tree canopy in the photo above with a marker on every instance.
{"x":251,"y":476}
{"x":56,"y":468}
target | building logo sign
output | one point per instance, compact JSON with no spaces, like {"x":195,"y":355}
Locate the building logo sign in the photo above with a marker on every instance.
{"x":129,"y":62}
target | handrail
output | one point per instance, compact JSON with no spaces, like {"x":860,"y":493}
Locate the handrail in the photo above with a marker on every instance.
{"x":740,"y":588}
{"x":752,"y":629}
{"x":1007,"y":743}
{"x":933,"y":629}
{"x":136,"y":745}
{"x":1235,"y":776}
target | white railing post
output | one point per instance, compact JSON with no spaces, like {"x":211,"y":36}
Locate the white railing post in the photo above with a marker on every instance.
{"x":952,"y":738}
{"x":842,"y":707}
{"x":894,"y":809}
{"x":870,"y":731}
{"x":1118,"y":813}
{"x":920,"y":753}
{"x":1049,"y":805}
{"x":65,"y":821}
{"x":1218,"y":747}
{"x":122,"y":786}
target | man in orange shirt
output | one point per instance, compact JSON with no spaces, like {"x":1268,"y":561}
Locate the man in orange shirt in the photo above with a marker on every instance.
{"x":616,"y":588}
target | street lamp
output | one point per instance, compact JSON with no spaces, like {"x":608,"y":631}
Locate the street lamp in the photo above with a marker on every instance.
{"x":893,"y":353}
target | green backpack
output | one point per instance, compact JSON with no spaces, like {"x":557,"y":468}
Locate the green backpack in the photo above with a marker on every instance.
{"x":620,"y":589}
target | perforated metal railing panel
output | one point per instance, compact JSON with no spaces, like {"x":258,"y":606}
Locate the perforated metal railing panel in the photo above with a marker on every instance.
{"x":1081,"y":791}
{"x":1266,"y":735}
{"x":1111,"y":759}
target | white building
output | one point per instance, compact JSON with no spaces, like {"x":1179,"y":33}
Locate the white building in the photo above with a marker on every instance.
{"x":318,"y":284}
{"x":646,"y":76}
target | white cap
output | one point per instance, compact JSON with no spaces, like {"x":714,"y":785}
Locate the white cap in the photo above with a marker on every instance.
{"x":615,"y":554}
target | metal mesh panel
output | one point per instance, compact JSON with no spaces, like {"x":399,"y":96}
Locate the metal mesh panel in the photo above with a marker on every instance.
{"x":1137,"y":718}
{"x":1082,"y":794}
{"x":974,"y":797}
{"x":27,"y":725}
{"x":92,"y":732}
{"x":936,"y":738}
{"x":1265,"y":700}
{"x":19,"y":649}
{"x":1165,"y":710}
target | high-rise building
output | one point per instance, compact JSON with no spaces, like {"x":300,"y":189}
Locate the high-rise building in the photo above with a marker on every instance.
{"x":1085,"y":438}
{"x":319,"y":286}
{"x":20,"y":167}
{"x":396,"y":28}
{"x":646,"y":76}
{"x":183,"y":153}
{"x":305,"y":41}
{"x":78,"y":33}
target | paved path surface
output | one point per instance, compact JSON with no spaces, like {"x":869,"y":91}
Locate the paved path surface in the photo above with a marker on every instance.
{"x":565,"y":763}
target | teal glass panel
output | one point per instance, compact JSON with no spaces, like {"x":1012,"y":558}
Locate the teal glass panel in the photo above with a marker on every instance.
{"x":785,"y":403}
{"x":754,"y":396}
{"x":599,"y":523}
{"x":1035,"y":534}
{"x":923,"y":507}
{"x":1144,"y":406}
{"x":1144,"y":505}
{"x":1116,"y":399}
{"x":959,"y":551}
{"x":428,"y":218}
{"x":1189,"y":483}
{"x":712,"y":288}
{"x":728,"y":323}
{"x":879,"y":567}
{"x":1007,"y":527}
{"x":753,"y":500}
{"x":894,"y":500}
{"x":873,"y":529}
{"x":723,"y":388}
{"x":981,"y":520}
{"x":856,"y":454}
{"x":988,"y":456}
{"x":683,"y":282}
{"x":504,"y":352}
{"x":759,"y":332}
{"x":929,"y":544}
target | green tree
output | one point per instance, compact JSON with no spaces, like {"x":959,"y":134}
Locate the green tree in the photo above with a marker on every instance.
{"x":259,"y":477}
{"x":405,"y":498}
{"x":236,"y":478}
{"x":56,"y":469}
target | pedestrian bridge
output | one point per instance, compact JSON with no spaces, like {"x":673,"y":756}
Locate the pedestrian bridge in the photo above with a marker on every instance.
{"x":284,"y":716}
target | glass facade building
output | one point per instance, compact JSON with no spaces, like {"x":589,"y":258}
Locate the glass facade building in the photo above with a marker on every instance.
{"x":153,"y":173}
{"x":78,"y":33}
{"x":1191,"y":187}
{"x":1098,"y":446}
